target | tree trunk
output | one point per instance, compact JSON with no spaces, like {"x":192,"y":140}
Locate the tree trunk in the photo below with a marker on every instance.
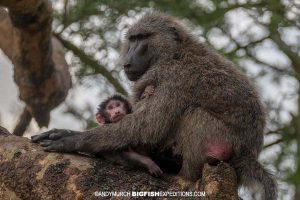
{"x":40,"y":70}
{"x":27,"y":172}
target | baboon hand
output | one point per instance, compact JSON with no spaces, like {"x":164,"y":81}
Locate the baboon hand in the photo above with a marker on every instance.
{"x":58,"y":140}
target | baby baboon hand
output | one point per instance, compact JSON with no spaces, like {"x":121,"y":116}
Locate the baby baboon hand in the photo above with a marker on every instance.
{"x":149,"y":90}
{"x":154,"y":170}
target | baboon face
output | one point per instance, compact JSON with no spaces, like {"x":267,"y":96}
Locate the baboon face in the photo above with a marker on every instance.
{"x":115,"y":110}
{"x":137,"y":59}
{"x":112,"y":109}
{"x":148,"y":41}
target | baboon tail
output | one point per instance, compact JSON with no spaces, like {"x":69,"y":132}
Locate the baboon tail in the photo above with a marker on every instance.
{"x":249,"y":169}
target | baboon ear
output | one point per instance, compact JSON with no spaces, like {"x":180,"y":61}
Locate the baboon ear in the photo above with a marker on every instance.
{"x":100,"y":119}
{"x":175,"y":32}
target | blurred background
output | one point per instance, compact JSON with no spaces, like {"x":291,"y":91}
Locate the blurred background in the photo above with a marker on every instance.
{"x":261,"y":37}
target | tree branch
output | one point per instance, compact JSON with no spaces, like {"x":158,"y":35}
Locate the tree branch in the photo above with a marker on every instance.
{"x":23,"y":123}
{"x":6,"y":32}
{"x":40,"y":70}
{"x":248,"y":51}
{"x":27,"y":172}
{"x":276,"y":38}
{"x":295,"y":59}
{"x":93,"y":64}
{"x":273,"y":143}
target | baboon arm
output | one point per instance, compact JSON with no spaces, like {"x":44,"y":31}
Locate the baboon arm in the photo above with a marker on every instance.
{"x":148,"y":124}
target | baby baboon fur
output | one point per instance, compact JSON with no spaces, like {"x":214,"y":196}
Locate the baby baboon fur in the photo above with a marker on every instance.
{"x":200,"y":98}
{"x":112,"y":110}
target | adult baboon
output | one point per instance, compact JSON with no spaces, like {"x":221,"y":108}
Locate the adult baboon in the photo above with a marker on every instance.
{"x":201,"y":103}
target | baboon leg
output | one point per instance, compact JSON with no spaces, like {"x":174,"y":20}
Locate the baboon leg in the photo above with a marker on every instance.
{"x":209,"y":142}
{"x":191,"y":170}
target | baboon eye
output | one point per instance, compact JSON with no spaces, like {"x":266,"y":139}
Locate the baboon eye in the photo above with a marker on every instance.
{"x":140,"y":36}
{"x":176,"y":34}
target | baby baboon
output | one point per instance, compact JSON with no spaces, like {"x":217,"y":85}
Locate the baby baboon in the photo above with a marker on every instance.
{"x":113,"y":110}
{"x":149,"y":90}
{"x":201,"y":102}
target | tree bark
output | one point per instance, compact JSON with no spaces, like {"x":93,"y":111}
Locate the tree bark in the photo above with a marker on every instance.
{"x":27,"y":172}
{"x":40,"y":70}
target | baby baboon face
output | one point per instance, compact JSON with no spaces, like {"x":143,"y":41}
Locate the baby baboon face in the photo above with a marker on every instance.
{"x":115,"y":110}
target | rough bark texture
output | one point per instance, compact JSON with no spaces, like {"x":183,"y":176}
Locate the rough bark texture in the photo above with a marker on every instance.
{"x":27,"y":172}
{"x":3,"y":131}
{"x":40,"y":70}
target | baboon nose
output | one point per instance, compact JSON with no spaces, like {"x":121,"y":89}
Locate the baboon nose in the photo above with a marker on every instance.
{"x":127,"y":65}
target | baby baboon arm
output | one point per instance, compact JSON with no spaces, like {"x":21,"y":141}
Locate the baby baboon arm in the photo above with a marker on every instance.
{"x":146,"y":162}
{"x":148,"y":124}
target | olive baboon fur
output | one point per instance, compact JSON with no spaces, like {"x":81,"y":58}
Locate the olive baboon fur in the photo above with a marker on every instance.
{"x":199,"y":97}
